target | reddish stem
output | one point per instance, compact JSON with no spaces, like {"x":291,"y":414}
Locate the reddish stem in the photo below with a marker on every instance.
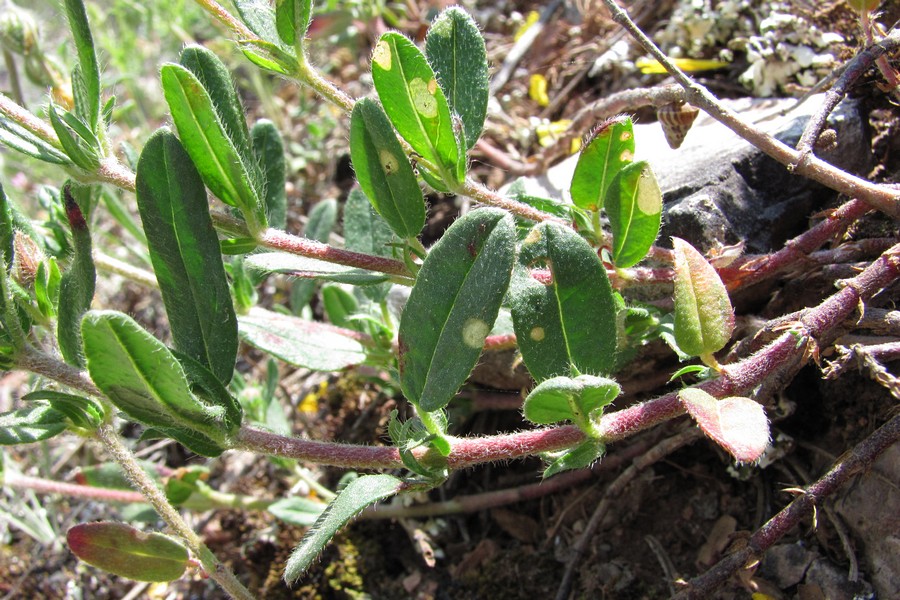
{"x":859,"y":460}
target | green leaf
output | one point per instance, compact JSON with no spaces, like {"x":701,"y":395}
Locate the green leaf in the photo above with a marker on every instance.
{"x":259,"y":17}
{"x":7,"y":231}
{"x":634,"y":207}
{"x":456,"y":52}
{"x":210,"y":146}
{"x":302,"y":512}
{"x":213,"y":75}
{"x":566,"y":399}
{"x":704,"y":318}
{"x":83,"y":412}
{"x":76,"y":147}
{"x":111,"y":476}
{"x":124,"y":551}
{"x":351,"y":501}
{"x":292,"y":20}
{"x":46,"y":287}
{"x":88,"y":70}
{"x":30,"y":424}
{"x":567,"y":325}
{"x":453,"y":306}
{"x":206,"y":386}
{"x":383,"y":171}
{"x":268,"y":148}
{"x":76,"y":287}
{"x":609,"y":149}
{"x":339,"y":305}
{"x":367,"y":232}
{"x":18,"y":138}
{"x":145,"y":380}
{"x":184,"y":250}
{"x":580,"y":457}
{"x":269,"y":56}
{"x":737,"y":424}
{"x":299,"y":342}
{"x":416,"y":105}
{"x":311,"y":268}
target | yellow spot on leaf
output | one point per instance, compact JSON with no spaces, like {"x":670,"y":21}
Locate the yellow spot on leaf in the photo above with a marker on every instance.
{"x":423,"y":98}
{"x":388,"y":162}
{"x":626,"y":156}
{"x":625,"y":136}
{"x":381,"y":56}
{"x":474,"y":332}
{"x":537,"y":334}
{"x":432,"y":86}
{"x":534,"y":236}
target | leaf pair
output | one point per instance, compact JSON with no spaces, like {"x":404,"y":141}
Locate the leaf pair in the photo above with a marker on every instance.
{"x":437,"y":101}
{"x":605,"y":177}
{"x":174,"y":395}
{"x":210,"y":122}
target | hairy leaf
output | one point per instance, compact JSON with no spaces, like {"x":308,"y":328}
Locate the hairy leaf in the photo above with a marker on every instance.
{"x":184,"y":250}
{"x":88,"y":70}
{"x":737,"y":424}
{"x":127,"y":552}
{"x":351,"y":501}
{"x":299,"y":342}
{"x":416,"y":105}
{"x":76,"y":287}
{"x":268,"y":148}
{"x":456,"y":52}
{"x":608,"y":150}
{"x":453,"y":306}
{"x":704,"y":318}
{"x":565,"y":325}
{"x":634,"y":207}
{"x":383,"y":171}
{"x":30,"y":424}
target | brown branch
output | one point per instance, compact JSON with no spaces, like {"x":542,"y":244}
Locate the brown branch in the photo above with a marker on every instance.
{"x":885,"y":198}
{"x":857,"y":461}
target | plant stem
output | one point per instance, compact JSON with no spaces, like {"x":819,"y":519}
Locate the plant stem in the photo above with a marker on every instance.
{"x":857,"y":461}
{"x":218,"y":571}
{"x":15,"y":85}
{"x":226,"y":18}
{"x":23,"y":117}
{"x":883,"y":197}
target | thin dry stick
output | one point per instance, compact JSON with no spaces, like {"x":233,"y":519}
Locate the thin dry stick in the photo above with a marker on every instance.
{"x":883,"y":197}
{"x":855,"y":68}
{"x":654,"y":455}
{"x":857,"y":461}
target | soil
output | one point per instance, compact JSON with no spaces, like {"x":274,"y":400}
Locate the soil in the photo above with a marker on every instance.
{"x":673,"y":521}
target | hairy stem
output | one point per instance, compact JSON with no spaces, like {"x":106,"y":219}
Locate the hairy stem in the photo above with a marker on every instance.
{"x":220,"y":573}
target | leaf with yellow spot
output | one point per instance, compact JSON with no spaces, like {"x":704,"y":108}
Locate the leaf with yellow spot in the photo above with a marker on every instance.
{"x":567,"y":326}
{"x":383,"y":171}
{"x":453,"y":306}
{"x":415,"y":104}
{"x":633,"y":204}
{"x":609,"y":149}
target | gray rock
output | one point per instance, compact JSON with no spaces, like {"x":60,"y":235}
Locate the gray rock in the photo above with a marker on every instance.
{"x":718,"y":189}
{"x":786,"y":564}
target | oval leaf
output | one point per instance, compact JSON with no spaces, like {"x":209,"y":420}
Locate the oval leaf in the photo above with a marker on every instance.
{"x":383,"y":171}
{"x":297,"y":511}
{"x":453,"y":306}
{"x":127,"y":552}
{"x":581,"y":456}
{"x":268,"y":148}
{"x":299,"y":342}
{"x":184,"y":249}
{"x":143,"y":379}
{"x":569,"y":322}
{"x":416,"y":105}
{"x":570,"y":399}
{"x":367,"y":232}
{"x":737,"y":424}
{"x":704,"y":318}
{"x":209,"y":145}
{"x":634,"y":207}
{"x":30,"y":424}
{"x":456,"y":52}
{"x":351,"y":501}
{"x":76,"y":286}
{"x":609,"y":149}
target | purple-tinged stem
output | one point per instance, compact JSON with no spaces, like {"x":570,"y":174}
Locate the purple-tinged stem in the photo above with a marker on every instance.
{"x":860,"y":458}
{"x":735,"y":379}
{"x":72,"y":490}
